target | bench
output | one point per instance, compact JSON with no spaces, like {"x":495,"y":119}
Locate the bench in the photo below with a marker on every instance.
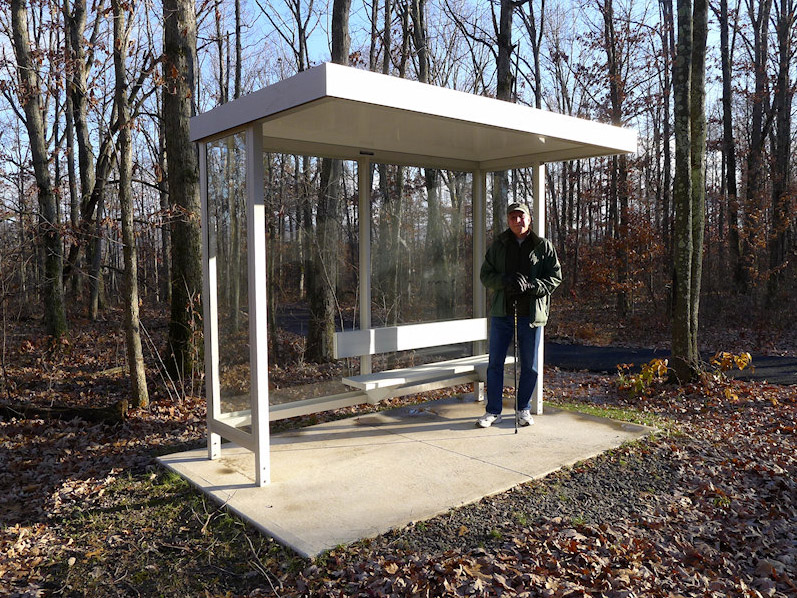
{"x":419,"y":378}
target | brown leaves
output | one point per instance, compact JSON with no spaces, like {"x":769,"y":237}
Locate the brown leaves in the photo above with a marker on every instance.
{"x":723,"y":527}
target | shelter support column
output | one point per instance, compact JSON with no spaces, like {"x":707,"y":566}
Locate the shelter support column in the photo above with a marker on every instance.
{"x":479,"y":195}
{"x":538,"y":224}
{"x":258,"y":302}
{"x":209,"y":311}
{"x":364,"y":207}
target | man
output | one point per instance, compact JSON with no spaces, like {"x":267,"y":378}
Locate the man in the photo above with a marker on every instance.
{"x":522,"y":270}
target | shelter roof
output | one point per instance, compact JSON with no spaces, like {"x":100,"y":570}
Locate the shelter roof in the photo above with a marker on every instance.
{"x":341,"y":112}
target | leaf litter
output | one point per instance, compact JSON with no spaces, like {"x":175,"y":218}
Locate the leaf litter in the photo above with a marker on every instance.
{"x":705,"y":508}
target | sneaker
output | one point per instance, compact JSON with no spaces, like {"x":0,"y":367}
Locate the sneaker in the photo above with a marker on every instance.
{"x":487,"y":420}
{"x":524,"y":417}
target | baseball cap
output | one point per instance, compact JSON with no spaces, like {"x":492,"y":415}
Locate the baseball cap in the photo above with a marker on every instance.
{"x":518,"y":207}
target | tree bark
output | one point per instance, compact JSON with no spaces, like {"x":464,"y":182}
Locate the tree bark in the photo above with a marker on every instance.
{"x":504,"y":91}
{"x":729,"y":146}
{"x":619,"y":187}
{"x":782,"y":203}
{"x":697,"y":123}
{"x":668,"y":48}
{"x":756,"y":175}
{"x":112,"y":414}
{"x":689,"y":188}
{"x":324,"y":279}
{"x":535,"y":39}
{"x":135,"y":357}
{"x":165,"y":286}
{"x":180,"y":77}
{"x":30,"y":98}
{"x":683,"y":360}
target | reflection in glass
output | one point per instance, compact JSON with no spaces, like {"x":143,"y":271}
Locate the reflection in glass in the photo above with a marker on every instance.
{"x":312,"y":249}
{"x":422,"y":264}
{"x":228,"y":243}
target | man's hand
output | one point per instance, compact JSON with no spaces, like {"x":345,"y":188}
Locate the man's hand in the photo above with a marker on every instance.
{"x":521,"y":283}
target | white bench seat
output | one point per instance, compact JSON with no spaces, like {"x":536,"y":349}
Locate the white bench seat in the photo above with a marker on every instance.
{"x":419,"y":378}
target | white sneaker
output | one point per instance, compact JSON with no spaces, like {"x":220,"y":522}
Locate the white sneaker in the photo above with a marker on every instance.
{"x":524,"y":417}
{"x":487,"y":420}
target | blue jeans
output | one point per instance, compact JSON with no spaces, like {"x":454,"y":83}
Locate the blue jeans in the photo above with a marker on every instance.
{"x":501,"y":333}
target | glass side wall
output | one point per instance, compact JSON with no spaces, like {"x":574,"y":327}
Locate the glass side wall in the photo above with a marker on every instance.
{"x":313,"y":279}
{"x":504,"y":188}
{"x":227,"y":217}
{"x":421,"y":260}
{"x":421,"y":254}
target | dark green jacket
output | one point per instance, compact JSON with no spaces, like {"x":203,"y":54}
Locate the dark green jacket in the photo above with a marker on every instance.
{"x":545,"y":275}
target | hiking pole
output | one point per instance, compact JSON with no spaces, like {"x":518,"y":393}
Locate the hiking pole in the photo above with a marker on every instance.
{"x":514,"y":314}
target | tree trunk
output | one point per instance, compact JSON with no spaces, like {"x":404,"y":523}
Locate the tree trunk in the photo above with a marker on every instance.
{"x":323,"y":298}
{"x":697,"y":122}
{"x":756,"y":174}
{"x":165,"y":286}
{"x":180,"y":70}
{"x":139,"y":397}
{"x":96,"y":249}
{"x":535,"y":39}
{"x":74,"y":199}
{"x":683,"y":360}
{"x":668,"y":47}
{"x":779,"y":244}
{"x":93,"y":171}
{"x":386,"y":41}
{"x":30,"y":98}
{"x":689,"y":191}
{"x":614,"y":60}
{"x":729,"y":146}
{"x":504,"y":87}
{"x":418,"y":14}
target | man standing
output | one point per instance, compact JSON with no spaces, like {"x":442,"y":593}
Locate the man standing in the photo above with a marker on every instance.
{"x":522,"y":270}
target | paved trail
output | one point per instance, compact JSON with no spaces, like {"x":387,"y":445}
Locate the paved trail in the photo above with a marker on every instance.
{"x":773,"y":369}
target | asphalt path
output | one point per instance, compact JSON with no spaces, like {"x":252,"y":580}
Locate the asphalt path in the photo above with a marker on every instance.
{"x":766,"y":368}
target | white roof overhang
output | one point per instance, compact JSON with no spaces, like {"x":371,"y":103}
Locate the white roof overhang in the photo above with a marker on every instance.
{"x":341,"y":112}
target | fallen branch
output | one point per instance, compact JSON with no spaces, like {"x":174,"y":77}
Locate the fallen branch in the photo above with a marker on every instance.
{"x":115,"y":413}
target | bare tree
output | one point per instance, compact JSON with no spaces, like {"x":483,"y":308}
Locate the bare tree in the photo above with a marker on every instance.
{"x":689,"y":93}
{"x":758,"y":13}
{"x":618,"y":191}
{"x":728,"y":142}
{"x":667,"y":33}
{"x":535,"y":28}
{"x":505,"y":86}
{"x":323,"y":297}
{"x":697,"y":158}
{"x":782,"y":201}
{"x":30,"y":95}
{"x":179,"y":60}
{"x":135,"y":357}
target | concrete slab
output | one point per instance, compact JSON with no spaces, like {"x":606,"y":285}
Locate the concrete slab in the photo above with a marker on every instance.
{"x":341,"y":481}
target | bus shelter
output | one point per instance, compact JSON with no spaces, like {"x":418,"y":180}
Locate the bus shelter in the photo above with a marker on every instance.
{"x":365,"y":119}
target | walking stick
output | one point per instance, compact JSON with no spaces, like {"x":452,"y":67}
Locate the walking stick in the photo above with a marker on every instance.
{"x":514,"y":314}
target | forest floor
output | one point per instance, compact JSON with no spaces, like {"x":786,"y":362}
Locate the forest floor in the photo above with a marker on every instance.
{"x":706,"y":507}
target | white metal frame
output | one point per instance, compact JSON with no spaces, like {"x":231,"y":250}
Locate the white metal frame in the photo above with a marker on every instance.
{"x":340,"y":112}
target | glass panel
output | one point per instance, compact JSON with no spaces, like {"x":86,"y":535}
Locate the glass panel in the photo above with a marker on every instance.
{"x":228,"y":242}
{"x":506,"y":187}
{"x":312,"y":269}
{"x":422,"y":256}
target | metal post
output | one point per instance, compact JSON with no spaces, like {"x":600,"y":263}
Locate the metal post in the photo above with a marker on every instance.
{"x":209,"y":309}
{"x":364,"y":206}
{"x":538,"y":223}
{"x":258,"y":301}
{"x":479,"y":248}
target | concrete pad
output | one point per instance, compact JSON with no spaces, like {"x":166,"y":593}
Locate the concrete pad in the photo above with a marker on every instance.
{"x":341,"y":481}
